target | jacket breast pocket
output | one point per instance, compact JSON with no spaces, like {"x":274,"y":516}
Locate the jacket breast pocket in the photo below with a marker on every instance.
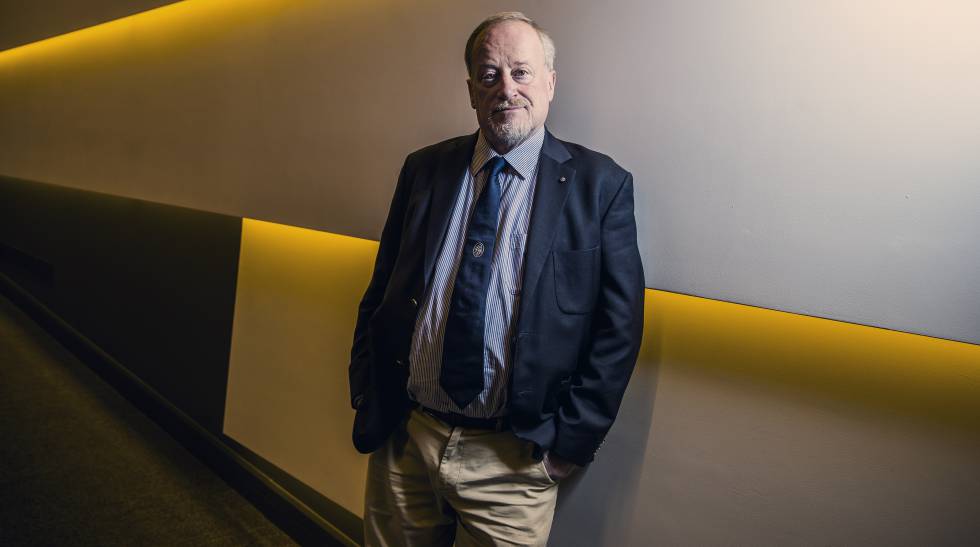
{"x":576,"y":279}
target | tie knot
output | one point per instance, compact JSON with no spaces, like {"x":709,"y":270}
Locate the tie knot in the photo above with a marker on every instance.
{"x":496,"y":165}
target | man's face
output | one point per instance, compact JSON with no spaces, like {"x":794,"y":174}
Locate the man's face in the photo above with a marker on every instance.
{"x":511,"y":87}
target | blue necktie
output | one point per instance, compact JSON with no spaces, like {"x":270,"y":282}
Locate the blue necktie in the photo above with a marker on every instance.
{"x":462,"y":352}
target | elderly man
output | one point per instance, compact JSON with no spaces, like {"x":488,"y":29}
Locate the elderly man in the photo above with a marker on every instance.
{"x":503,"y":319}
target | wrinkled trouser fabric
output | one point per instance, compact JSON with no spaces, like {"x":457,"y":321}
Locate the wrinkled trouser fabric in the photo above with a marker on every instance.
{"x":432,"y":485}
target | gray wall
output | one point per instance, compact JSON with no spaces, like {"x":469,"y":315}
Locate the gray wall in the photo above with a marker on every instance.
{"x":813,"y":157}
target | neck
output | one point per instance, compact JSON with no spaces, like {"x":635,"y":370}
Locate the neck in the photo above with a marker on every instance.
{"x":500,"y":148}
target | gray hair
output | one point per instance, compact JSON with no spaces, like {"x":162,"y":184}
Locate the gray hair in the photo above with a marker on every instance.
{"x":546,"y":42}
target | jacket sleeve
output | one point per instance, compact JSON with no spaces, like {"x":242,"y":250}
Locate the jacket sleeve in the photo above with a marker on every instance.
{"x":359,"y":371}
{"x":598,"y":385}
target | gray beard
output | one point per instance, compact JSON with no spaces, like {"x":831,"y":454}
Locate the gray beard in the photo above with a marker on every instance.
{"x":509,"y":135}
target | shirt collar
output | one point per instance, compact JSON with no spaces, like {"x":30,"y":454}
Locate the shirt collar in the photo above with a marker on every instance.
{"x":523,"y":158}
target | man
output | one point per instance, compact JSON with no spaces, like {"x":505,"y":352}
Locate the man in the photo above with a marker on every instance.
{"x":487,"y":365}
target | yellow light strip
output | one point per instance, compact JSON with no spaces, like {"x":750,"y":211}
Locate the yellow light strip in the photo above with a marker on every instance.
{"x":789,"y":355}
{"x":119,"y":17}
{"x":916,"y":377}
{"x":161,"y":29}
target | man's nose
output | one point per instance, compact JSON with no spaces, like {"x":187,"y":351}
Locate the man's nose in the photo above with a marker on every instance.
{"x":507,"y":87}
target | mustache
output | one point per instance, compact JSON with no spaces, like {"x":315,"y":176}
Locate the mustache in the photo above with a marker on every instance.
{"x":518,"y":103}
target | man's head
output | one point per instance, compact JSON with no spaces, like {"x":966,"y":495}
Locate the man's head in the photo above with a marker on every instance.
{"x":511,"y":67}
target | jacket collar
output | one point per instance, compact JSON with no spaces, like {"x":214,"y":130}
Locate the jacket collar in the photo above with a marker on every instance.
{"x":555,"y":176}
{"x":523,"y":159}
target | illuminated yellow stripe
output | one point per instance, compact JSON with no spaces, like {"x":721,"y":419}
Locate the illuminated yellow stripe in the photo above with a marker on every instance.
{"x":809,"y":358}
{"x":297,"y":297}
{"x":141,"y":36}
{"x":912,"y":376}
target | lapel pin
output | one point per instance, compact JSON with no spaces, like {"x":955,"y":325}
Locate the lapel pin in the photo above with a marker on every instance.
{"x":562,"y":179}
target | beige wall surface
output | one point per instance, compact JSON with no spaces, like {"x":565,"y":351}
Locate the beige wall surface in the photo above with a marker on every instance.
{"x":741,"y":426}
{"x":288,"y":399}
{"x":815,"y":157}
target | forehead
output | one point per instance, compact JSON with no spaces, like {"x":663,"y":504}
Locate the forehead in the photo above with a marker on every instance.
{"x":512,"y":41}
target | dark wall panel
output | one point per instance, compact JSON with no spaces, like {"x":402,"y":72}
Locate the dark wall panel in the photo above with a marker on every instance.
{"x":153,"y":285}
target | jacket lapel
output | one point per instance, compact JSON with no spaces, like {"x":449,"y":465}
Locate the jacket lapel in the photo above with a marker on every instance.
{"x":555,"y":177}
{"x":446,"y":181}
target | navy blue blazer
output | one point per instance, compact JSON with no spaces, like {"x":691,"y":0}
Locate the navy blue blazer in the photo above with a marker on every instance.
{"x":579,"y":320}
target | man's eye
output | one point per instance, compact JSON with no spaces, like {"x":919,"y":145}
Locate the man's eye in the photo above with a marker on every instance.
{"x":522,"y":75}
{"x":488,"y":77}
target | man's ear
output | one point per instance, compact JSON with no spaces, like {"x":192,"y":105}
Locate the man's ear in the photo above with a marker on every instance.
{"x":552,"y":81}
{"x":469,"y":90}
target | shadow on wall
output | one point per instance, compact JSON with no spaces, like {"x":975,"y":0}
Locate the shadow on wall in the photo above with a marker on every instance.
{"x":596,"y":507}
{"x":762,"y":416}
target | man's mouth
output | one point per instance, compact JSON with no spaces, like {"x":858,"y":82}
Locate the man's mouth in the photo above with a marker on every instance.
{"x":506,"y":108}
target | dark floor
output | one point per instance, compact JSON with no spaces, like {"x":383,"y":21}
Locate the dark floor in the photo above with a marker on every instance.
{"x":79,"y":465}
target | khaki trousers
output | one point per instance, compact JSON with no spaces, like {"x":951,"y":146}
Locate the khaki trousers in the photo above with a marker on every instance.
{"x":432,"y":485}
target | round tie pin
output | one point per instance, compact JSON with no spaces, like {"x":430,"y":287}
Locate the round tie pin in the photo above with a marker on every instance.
{"x":478,"y":249}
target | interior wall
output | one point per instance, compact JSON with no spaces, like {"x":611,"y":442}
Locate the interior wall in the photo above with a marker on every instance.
{"x":289,"y":402}
{"x":741,"y":426}
{"x":808,"y":157}
{"x":26,"y":21}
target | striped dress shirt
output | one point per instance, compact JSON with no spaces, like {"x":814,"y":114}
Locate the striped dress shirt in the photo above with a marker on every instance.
{"x":517,"y":194}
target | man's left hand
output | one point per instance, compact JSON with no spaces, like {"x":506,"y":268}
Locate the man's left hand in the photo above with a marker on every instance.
{"x":557,"y":467}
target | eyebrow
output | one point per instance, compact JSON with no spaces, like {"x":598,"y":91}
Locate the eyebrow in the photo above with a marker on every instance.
{"x":488,"y":65}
